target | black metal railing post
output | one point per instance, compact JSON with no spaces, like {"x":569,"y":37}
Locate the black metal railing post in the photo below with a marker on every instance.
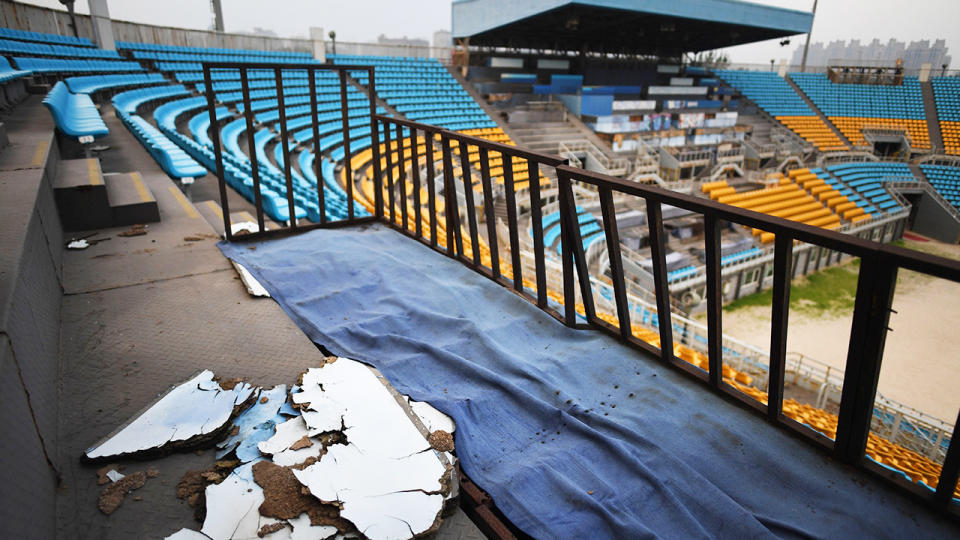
{"x":711,"y":231}
{"x":375,"y":144}
{"x":661,"y":285}
{"x":217,"y":151}
{"x":252,"y":149}
{"x":782,"y":257}
{"x":345,"y":121}
{"x":868,"y":333}
{"x":314,"y":124}
{"x":402,"y":176}
{"x":451,"y":209}
{"x":488,"y":214}
{"x":573,"y":242}
{"x":285,"y":141}
{"x":616,"y":263}
{"x":511,"y":200}
{"x":415,"y":178}
{"x":431,"y":187}
{"x":536,"y":225}
{"x":467,"y":178}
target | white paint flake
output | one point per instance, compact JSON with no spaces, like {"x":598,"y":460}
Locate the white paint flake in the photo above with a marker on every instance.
{"x":386,"y":478}
{"x":287,"y":435}
{"x":303,"y":530}
{"x":256,"y":424}
{"x":195,"y":408}
{"x":233,"y":509}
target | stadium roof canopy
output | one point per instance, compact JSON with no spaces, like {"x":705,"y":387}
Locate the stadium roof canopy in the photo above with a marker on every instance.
{"x":645,"y":27}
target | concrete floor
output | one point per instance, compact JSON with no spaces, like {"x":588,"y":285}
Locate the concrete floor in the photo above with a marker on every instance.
{"x":145,"y":312}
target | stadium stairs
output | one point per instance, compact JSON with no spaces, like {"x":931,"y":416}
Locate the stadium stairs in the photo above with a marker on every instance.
{"x":930,"y":112}
{"x":814,"y":108}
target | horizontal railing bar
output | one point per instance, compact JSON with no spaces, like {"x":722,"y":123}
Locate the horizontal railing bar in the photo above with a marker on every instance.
{"x":515,"y":151}
{"x":912,"y":260}
{"x":287,"y":231}
{"x":298,"y":66}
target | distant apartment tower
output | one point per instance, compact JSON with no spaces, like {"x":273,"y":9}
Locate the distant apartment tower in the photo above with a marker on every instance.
{"x":914,"y":55}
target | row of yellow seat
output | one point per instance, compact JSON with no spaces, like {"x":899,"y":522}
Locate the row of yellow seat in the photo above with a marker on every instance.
{"x":787,"y":200}
{"x":919,"y":468}
{"x":950,"y":131}
{"x":826,"y":194}
{"x":815,"y":131}
{"x":851,"y":128}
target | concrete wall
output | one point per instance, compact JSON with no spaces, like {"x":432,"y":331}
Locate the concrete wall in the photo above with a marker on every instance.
{"x":50,"y":21}
{"x":38,"y":19}
{"x":30,"y":295}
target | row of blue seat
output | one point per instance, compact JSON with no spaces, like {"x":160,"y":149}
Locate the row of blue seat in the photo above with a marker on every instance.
{"x":26,"y":35}
{"x":59,"y":65}
{"x":8,"y":73}
{"x":129,"y":100}
{"x":8,"y":46}
{"x":137,"y":46}
{"x":863,"y":100}
{"x":946,"y":180}
{"x":75,"y":114}
{"x":88,"y":84}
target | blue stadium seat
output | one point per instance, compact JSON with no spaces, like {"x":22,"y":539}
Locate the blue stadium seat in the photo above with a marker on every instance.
{"x":74,"y":114}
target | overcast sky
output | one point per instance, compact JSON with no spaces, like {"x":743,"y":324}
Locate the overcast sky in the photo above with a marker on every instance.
{"x":364,"y":20}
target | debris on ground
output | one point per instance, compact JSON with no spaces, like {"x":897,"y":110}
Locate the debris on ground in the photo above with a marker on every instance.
{"x":78,"y":244}
{"x":135,"y":230}
{"x":102,"y":474}
{"x":113,"y":494}
{"x":186,"y":416}
{"x":340,"y":453}
{"x":254,"y":288}
{"x":441,"y":441}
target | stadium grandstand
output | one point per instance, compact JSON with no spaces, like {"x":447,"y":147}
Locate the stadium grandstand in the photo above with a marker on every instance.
{"x":537,"y":230}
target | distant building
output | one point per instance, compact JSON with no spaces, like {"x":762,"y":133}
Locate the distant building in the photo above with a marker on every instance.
{"x":404,"y":41}
{"x":914,"y":55}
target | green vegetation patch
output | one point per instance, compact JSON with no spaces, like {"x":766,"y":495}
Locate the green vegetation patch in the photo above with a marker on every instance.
{"x":832,"y":291}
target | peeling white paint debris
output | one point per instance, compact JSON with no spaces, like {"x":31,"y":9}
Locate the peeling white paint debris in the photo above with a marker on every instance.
{"x":255,"y":424}
{"x":289,"y":434}
{"x":196,"y":408}
{"x":233,"y":508}
{"x":78,"y":244}
{"x":303,"y":530}
{"x":187,"y":534}
{"x":244,"y":227}
{"x":114,"y":476}
{"x":386,"y":478}
{"x":254,"y":288}
{"x":432,"y":418}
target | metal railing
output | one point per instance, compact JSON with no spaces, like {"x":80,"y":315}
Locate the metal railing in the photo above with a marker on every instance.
{"x":472,"y":236}
{"x":312,"y":71}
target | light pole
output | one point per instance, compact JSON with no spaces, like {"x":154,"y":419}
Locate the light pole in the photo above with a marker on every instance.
{"x":806,"y":46}
{"x":333,"y":38}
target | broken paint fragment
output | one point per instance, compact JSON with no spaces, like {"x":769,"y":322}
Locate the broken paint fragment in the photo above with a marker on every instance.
{"x":114,"y":476}
{"x":112,"y":495}
{"x":255,"y":424}
{"x":289,"y":434}
{"x":432,"y":418}
{"x":186,"y":415}
{"x":233,"y":508}
{"x":303,"y":530}
{"x":387,"y":478}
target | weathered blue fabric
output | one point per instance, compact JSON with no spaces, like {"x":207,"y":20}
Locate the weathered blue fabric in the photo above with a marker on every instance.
{"x":573,"y":434}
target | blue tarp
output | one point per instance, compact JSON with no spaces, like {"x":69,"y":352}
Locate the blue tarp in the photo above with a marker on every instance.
{"x":573,"y":434}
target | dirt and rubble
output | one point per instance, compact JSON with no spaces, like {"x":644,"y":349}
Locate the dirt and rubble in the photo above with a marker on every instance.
{"x":263,"y":467}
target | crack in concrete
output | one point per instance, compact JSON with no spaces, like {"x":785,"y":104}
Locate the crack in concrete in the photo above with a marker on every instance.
{"x":158,"y":280}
